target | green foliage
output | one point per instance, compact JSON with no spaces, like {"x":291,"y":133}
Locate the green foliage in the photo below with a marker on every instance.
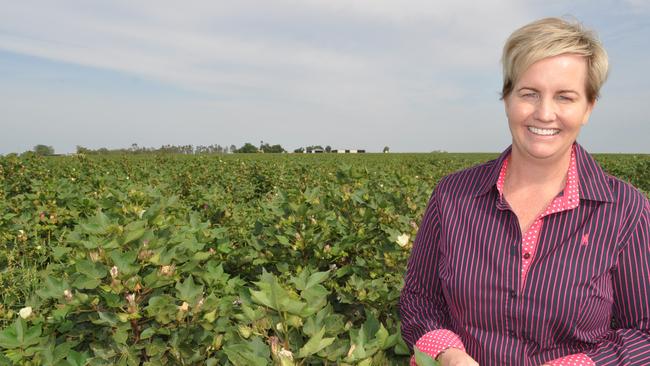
{"x":43,"y":150}
{"x":247,"y":148}
{"x":267,"y":148}
{"x":218,"y":260}
{"x":423,"y":359}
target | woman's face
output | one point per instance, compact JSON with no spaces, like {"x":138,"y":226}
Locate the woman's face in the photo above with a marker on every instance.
{"x":547,"y":107}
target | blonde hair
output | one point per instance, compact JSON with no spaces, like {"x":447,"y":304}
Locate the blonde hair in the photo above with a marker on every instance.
{"x":550,"y":37}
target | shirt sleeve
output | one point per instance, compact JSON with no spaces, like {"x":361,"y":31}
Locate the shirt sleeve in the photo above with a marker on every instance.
{"x":436,"y":341}
{"x":422,"y":305}
{"x":628,"y":343}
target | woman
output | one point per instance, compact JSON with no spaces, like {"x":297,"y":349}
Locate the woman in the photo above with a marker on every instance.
{"x":537,"y":257}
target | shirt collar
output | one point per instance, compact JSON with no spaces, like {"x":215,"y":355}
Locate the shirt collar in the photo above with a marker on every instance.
{"x":594,"y":183}
{"x":592,"y":180}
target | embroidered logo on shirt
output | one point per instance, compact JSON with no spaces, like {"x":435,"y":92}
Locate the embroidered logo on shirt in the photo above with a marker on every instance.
{"x":585,"y":239}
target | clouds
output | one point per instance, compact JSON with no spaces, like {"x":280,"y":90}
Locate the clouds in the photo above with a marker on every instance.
{"x":282,"y":46}
{"x":377,"y":63}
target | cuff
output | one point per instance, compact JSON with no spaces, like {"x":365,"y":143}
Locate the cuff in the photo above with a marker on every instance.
{"x":576,"y":359}
{"x":436,"y":341}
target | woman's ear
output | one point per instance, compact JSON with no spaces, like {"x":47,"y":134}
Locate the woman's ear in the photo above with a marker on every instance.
{"x":590,"y":107}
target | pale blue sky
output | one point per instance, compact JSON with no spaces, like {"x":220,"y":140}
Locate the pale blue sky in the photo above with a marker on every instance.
{"x":416,"y":75}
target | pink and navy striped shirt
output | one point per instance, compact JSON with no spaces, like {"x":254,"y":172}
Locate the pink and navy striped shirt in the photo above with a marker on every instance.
{"x":573,"y":290}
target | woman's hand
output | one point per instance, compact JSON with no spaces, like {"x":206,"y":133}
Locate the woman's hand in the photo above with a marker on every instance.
{"x":455,"y":357}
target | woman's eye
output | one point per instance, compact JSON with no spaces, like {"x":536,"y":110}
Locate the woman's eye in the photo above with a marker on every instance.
{"x":565,"y":98}
{"x":530,"y":95}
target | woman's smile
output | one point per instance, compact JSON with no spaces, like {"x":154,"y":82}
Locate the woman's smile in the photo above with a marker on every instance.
{"x":543,"y":131}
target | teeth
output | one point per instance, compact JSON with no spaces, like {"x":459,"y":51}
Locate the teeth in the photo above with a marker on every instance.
{"x":543,"y":131}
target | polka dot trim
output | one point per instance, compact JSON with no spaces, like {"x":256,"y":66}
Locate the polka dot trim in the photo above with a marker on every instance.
{"x":436,"y":341}
{"x":568,"y":199}
{"x":578,"y":359}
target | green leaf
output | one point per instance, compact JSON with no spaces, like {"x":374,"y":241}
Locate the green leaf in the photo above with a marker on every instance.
{"x":77,"y":358}
{"x":315,"y":344}
{"x":121,"y":334}
{"x":52,"y":287}
{"x":59,"y":252}
{"x":91,"y":269}
{"x":97,"y":225}
{"x":126,"y":262}
{"x":272,"y":295}
{"x":20,"y":335}
{"x":252,"y":353}
{"x":62,"y":350}
{"x":316,"y":297}
{"x":214,"y":274}
{"x":148,"y":333}
{"x":85,"y":283}
{"x":105,"y":319}
{"x":423,"y":359}
{"x":316,"y":278}
{"x":9,"y":338}
{"x":133,"y":231}
{"x":188,"y":290}
{"x":162,"y":308}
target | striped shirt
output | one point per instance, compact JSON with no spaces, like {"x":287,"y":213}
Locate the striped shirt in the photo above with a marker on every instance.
{"x":583,"y":296}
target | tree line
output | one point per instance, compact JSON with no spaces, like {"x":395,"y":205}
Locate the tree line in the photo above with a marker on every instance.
{"x":45,"y":150}
{"x":264,"y":147}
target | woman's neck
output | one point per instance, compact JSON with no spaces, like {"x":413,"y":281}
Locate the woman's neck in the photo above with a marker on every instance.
{"x":530,"y":172}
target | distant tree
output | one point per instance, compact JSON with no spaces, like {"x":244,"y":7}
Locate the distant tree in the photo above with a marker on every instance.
{"x":328,"y":148}
{"x":233,"y":149}
{"x":266,"y":148}
{"x":43,"y":150}
{"x":247,"y":148}
{"x":299,"y":150}
{"x":386,"y":149}
{"x":83,"y":150}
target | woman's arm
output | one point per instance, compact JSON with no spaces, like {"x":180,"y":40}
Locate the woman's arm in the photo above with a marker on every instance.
{"x":629,"y":342}
{"x":423,"y":310}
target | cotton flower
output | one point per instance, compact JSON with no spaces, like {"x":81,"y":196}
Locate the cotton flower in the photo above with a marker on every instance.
{"x":94,"y":256}
{"x":67,"y":294}
{"x":25,"y":312}
{"x":114,"y":272}
{"x":403,"y":240}
{"x":184,"y":307}
{"x":285,"y":353}
{"x":167,"y":270}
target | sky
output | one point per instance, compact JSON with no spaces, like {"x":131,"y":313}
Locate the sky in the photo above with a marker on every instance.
{"x":413,"y":75}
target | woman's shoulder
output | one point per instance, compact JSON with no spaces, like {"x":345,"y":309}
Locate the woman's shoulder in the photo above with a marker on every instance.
{"x":472,"y":180}
{"x":627,"y":196}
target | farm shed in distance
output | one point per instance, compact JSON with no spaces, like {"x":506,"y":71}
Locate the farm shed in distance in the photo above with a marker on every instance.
{"x":349,"y":151}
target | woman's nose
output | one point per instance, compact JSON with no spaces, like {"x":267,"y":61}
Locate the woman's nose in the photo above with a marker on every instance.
{"x":545,"y":110}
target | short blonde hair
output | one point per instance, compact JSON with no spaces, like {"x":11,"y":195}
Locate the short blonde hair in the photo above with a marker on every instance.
{"x":550,"y":37}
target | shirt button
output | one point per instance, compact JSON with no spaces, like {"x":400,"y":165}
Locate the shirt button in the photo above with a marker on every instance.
{"x":513,"y":294}
{"x":526,"y":255}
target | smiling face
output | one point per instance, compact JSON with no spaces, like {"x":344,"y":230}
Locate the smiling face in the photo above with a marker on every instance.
{"x":547,"y":107}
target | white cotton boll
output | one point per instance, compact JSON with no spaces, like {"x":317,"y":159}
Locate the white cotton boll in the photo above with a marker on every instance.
{"x":25,"y":312}
{"x":403,"y":240}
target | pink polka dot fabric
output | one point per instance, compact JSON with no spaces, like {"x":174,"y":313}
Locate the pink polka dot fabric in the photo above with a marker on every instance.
{"x":437,"y":341}
{"x":578,"y":359}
